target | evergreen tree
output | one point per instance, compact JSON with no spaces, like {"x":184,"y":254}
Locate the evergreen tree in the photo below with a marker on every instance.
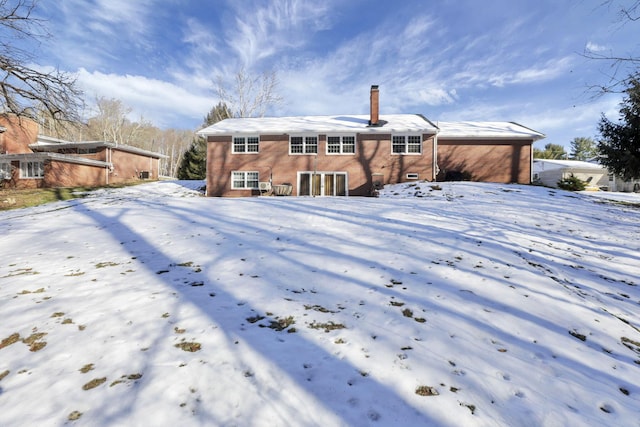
{"x":620,"y":142}
{"x":194,"y":161}
{"x":551,"y":151}
{"x":583,"y":148}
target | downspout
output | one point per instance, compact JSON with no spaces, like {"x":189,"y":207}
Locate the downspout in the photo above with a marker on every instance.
{"x":435,"y":168}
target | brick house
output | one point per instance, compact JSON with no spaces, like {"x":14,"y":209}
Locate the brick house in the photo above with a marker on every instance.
{"x":29,"y":160}
{"x":354,"y":154}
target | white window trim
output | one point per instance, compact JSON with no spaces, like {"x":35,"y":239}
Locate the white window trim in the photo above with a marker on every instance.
{"x":341,"y":152}
{"x":412,"y":175}
{"x":406,"y":144}
{"x":304,"y":144}
{"x":246,"y":144}
{"x":233,"y":187}
{"x":23,"y":168}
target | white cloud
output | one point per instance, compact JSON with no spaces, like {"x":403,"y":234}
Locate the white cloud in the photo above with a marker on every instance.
{"x":594,"y":47}
{"x":261,"y":30}
{"x":161,"y":102}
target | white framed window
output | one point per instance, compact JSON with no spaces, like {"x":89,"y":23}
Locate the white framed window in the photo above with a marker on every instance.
{"x":241,"y":180}
{"x":413,"y":176}
{"x":5,"y":170}
{"x":245,"y":144}
{"x":303,"y":145}
{"x":406,"y":144}
{"x":345,"y":144}
{"x":32,"y":169}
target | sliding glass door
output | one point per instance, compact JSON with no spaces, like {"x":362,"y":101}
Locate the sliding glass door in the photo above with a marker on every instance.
{"x":322,"y":183}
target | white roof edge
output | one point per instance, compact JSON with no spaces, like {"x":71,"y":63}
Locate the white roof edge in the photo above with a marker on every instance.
{"x":319,"y":124}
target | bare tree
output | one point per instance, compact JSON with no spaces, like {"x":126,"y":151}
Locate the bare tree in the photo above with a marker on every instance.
{"x":628,"y":13}
{"x":25,"y":88}
{"x":249,"y":96}
{"x":111,"y":123}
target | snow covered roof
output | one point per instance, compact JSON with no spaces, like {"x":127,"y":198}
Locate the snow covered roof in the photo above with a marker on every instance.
{"x":26,"y":157}
{"x":321,"y":124}
{"x":546,"y":164}
{"x":486,"y":130}
{"x":51,"y":144}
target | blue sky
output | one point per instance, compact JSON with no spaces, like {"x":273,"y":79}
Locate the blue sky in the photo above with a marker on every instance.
{"x":505,"y":60}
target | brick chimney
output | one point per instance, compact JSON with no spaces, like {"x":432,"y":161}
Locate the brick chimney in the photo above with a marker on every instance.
{"x":375,"y":106}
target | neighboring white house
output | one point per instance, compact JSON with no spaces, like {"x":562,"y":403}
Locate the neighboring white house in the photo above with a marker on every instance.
{"x":548,"y":172}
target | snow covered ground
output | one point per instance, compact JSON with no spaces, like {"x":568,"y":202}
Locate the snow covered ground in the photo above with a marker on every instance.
{"x":466,"y":304}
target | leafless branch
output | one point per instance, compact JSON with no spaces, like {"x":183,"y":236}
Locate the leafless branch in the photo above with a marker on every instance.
{"x":250,"y":96}
{"x":25,"y":89}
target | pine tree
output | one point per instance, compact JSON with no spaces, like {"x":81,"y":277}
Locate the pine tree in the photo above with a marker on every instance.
{"x":583,"y":148}
{"x":551,"y":151}
{"x":194,"y":161}
{"x":620,"y":142}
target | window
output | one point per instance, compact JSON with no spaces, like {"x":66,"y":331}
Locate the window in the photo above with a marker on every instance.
{"x":246,"y":144}
{"x":413,"y":176}
{"x":31,"y":169}
{"x":406,"y":144}
{"x":303,"y":145}
{"x":244,"y":180}
{"x":341,"y":145}
{"x":322,"y":184}
{"x":5,"y":170}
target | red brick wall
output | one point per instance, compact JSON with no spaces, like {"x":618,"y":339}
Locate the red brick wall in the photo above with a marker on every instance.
{"x":63,"y":174}
{"x":19,"y":134}
{"x":487,"y":161}
{"x":373,"y":156}
{"x":128,"y":166}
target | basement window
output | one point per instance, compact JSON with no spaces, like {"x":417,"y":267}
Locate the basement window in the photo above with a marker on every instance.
{"x":412,"y":176}
{"x":241,"y":180}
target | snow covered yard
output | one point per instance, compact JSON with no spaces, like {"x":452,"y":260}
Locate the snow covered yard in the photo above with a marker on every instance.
{"x":462,"y":304}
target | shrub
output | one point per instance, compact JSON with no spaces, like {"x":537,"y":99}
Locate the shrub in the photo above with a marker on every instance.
{"x":572,"y":183}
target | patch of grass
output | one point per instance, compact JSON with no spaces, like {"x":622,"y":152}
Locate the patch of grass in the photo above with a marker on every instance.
{"x":282,"y":324}
{"x":328,"y":326}
{"x":407,"y":312}
{"x":106,"y":264}
{"x":396,"y":303}
{"x":40,"y":196}
{"x":254,"y":319}
{"x":420,"y":319}
{"x":319,"y":308}
{"x":94,"y":383}
{"x":627,"y":342}
{"x":425,"y":390}
{"x":4,"y":374}
{"x":86,"y":368}
{"x":189,"y":346}
{"x":11,"y":339}
{"x":578,"y":335}
{"x":75,"y":274}
{"x":75,"y":415}
{"x":57,"y":314}
{"x":471,"y":407}
{"x":34,"y":341}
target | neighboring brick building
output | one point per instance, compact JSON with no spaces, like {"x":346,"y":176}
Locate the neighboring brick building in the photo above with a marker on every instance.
{"x":31,"y":161}
{"x":354,"y":154}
